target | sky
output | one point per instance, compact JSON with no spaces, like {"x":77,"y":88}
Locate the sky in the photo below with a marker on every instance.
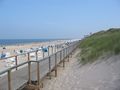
{"x":53,"y":19}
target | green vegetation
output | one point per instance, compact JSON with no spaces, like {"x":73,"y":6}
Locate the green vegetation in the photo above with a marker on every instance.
{"x":98,"y":44}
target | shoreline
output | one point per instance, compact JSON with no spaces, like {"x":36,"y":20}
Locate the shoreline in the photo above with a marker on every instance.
{"x":35,"y":42}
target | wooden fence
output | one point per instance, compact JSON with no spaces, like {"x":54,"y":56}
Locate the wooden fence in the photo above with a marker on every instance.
{"x":34,"y":70}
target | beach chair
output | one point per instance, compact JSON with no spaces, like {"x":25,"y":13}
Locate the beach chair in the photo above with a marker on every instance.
{"x":32,"y":54}
{"x":2,"y":55}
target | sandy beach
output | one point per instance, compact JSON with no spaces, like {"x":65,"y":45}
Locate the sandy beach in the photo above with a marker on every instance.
{"x":12,"y":49}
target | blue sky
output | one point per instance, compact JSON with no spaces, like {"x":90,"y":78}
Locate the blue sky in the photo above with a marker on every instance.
{"x":56,"y":18}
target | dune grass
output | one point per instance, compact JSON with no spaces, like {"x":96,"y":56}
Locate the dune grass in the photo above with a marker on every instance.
{"x":98,"y":44}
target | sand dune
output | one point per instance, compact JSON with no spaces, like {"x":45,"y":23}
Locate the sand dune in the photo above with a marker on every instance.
{"x":100,"y":75}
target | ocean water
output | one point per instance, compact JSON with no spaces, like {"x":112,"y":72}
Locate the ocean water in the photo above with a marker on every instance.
{"x":22,"y":41}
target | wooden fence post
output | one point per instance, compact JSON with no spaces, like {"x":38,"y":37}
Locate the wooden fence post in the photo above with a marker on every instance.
{"x":68,"y":54}
{"x":29,"y":69}
{"x":43,"y":54}
{"x":36,"y":53}
{"x":49,"y":67}
{"x":68,"y":58}
{"x":38,"y":75}
{"x":9,"y":80}
{"x":29,"y":74}
{"x":52,"y":49}
{"x":28,"y":56}
{"x":71,"y":51}
{"x":56,"y":48}
{"x":55,"y":64}
{"x":60,"y":56}
{"x":63,"y":58}
{"x":16,"y":61}
{"x":48,"y":50}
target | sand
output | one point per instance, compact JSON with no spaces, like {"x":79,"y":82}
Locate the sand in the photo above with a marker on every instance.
{"x":4,"y":65}
{"x":11,"y":48}
{"x":100,"y":75}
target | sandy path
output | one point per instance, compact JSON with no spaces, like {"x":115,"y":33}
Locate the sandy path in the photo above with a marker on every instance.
{"x":103,"y":75}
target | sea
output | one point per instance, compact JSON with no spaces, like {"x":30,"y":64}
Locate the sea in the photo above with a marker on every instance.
{"x":23,"y":41}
